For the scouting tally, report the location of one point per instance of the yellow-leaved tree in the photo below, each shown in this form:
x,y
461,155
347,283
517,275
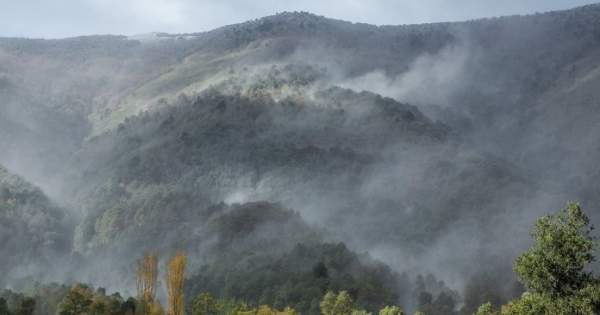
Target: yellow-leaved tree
x,y
147,275
175,278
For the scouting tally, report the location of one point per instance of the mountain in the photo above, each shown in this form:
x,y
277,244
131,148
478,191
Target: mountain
x,y
429,146
34,232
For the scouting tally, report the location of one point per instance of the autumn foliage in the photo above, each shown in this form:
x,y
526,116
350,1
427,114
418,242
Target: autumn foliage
x,y
175,279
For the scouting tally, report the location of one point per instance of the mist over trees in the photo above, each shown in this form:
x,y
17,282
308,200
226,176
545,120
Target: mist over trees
x,y
553,271
305,165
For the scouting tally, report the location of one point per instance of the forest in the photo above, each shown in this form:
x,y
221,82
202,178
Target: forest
x,y
302,165
554,273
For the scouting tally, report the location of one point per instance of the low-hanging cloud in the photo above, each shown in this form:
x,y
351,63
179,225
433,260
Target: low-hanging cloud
x,y
431,79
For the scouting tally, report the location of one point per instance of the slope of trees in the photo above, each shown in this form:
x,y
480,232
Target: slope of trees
x,y
33,229
300,277
555,272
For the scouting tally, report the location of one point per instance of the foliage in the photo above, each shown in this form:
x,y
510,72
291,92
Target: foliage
x,y
554,269
205,304
175,279
82,299
343,304
4,307
563,247
78,301
391,310
27,307
337,304
486,309
32,227
288,279
147,275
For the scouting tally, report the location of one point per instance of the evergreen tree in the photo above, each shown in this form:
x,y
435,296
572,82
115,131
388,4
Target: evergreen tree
x,y
4,307
27,307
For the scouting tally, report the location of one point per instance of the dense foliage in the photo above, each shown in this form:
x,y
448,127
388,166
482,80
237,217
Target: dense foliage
x,y
32,228
299,278
555,269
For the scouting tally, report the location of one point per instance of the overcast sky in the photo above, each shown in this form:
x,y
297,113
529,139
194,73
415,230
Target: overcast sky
x,y
65,18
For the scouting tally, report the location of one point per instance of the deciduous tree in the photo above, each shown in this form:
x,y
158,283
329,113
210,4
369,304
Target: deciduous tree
x,y
175,279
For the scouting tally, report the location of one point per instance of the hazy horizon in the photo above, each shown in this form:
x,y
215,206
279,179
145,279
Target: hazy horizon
x,y
68,18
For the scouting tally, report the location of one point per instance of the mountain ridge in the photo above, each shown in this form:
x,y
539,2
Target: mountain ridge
x,y
410,142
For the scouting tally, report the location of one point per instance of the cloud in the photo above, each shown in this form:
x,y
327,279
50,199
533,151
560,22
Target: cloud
x,y
64,18
431,79
161,12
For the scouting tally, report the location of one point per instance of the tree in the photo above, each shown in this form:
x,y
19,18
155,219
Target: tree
x,y
4,307
320,270
98,307
483,287
129,307
443,305
175,279
425,301
391,310
340,304
554,269
486,309
155,309
27,307
328,303
289,311
78,301
147,274
555,265
205,304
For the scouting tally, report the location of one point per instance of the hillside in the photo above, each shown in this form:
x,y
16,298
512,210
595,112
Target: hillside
x,y
429,147
34,232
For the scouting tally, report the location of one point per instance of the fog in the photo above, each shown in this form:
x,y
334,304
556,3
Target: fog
x,y
431,148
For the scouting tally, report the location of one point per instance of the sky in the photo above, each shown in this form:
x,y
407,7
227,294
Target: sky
x,y
67,18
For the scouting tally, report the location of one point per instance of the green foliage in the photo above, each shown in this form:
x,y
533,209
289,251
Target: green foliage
x,y
391,310
343,304
4,307
486,309
288,278
543,304
340,304
205,304
433,297
27,307
82,299
78,301
443,304
32,228
554,269
563,247
489,286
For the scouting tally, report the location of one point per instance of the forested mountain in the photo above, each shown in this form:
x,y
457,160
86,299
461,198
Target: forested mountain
x,y
34,233
281,147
